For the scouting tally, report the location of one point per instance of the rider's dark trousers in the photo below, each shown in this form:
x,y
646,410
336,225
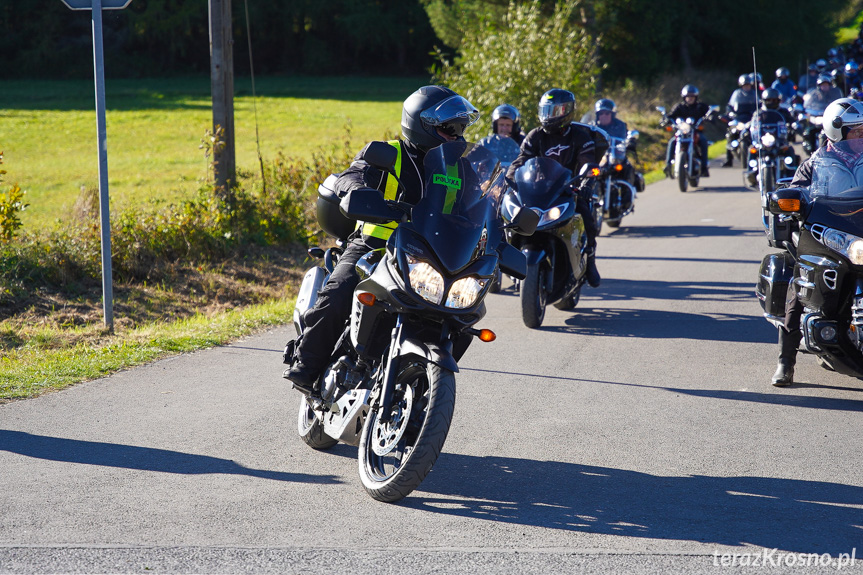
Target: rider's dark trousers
x,y
325,321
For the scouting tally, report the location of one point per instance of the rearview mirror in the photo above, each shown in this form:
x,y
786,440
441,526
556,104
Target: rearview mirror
x,y
380,155
524,222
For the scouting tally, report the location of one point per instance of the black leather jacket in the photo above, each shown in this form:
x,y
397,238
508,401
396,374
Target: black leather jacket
x,y
577,145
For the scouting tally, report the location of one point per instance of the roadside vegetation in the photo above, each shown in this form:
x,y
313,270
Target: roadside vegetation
x,y
196,265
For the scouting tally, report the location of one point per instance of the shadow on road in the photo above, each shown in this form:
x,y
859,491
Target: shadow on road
x,y
661,324
623,289
140,458
682,232
776,398
788,514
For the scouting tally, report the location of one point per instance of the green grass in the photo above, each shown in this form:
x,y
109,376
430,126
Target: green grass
x,y
155,127
38,368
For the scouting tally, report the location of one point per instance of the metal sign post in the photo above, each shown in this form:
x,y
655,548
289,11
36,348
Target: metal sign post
x,y
96,6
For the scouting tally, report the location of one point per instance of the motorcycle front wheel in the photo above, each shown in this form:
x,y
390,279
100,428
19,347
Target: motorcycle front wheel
x,y
682,168
395,457
533,296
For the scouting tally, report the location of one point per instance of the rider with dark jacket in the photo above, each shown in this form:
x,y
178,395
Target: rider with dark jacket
x,y
843,120
430,116
689,107
572,145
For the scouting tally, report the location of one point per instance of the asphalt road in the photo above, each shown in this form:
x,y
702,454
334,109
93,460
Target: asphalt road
x,y
636,434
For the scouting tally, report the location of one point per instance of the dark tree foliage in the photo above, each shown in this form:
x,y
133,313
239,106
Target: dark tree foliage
x,y
158,37
643,38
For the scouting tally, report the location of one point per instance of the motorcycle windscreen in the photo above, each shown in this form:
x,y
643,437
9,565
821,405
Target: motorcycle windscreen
x,y
505,149
458,211
837,171
539,181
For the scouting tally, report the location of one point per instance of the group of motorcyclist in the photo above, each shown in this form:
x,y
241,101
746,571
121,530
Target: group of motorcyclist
x,y
434,114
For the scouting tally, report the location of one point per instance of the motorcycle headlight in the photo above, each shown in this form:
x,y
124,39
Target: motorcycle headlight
x,y
817,120
425,280
551,215
768,140
465,292
848,245
684,127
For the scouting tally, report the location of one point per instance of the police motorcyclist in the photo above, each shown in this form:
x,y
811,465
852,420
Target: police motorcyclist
x,y
572,145
506,134
689,107
741,105
843,121
784,85
430,116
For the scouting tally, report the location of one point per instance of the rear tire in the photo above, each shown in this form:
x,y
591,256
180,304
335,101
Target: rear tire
x,y
533,296
417,432
310,428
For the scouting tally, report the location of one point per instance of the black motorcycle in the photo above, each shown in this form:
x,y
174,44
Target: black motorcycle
x,y
808,125
769,159
555,252
821,231
390,384
615,190
737,123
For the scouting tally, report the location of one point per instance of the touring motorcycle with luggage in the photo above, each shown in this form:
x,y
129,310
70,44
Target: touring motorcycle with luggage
x,y
821,233
556,251
389,387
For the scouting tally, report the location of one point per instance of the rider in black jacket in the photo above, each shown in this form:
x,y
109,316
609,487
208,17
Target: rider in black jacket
x,y
690,107
430,116
572,145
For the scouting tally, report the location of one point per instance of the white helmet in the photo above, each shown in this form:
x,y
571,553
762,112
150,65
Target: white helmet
x,y
840,117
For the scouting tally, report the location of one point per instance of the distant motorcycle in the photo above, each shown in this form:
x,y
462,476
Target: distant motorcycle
x,y
769,157
555,252
685,163
808,125
618,194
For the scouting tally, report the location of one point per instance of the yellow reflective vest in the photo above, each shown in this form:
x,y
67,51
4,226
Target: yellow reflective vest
x,y
384,231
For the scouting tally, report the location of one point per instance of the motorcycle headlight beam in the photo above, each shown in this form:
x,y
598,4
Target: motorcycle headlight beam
x,y
768,140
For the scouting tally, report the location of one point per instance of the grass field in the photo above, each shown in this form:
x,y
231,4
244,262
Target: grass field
x,y
155,127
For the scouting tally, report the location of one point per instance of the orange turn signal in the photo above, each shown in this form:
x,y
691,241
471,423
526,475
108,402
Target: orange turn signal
x,y
367,298
789,205
594,172
487,335
753,150
618,167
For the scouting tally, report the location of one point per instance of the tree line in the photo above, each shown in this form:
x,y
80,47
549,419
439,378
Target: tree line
x,y
636,39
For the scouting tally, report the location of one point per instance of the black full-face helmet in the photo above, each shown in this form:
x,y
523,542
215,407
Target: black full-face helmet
x,y
508,112
556,109
770,98
433,108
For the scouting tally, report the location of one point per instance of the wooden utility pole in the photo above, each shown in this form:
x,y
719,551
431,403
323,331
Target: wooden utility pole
x,y
222,86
